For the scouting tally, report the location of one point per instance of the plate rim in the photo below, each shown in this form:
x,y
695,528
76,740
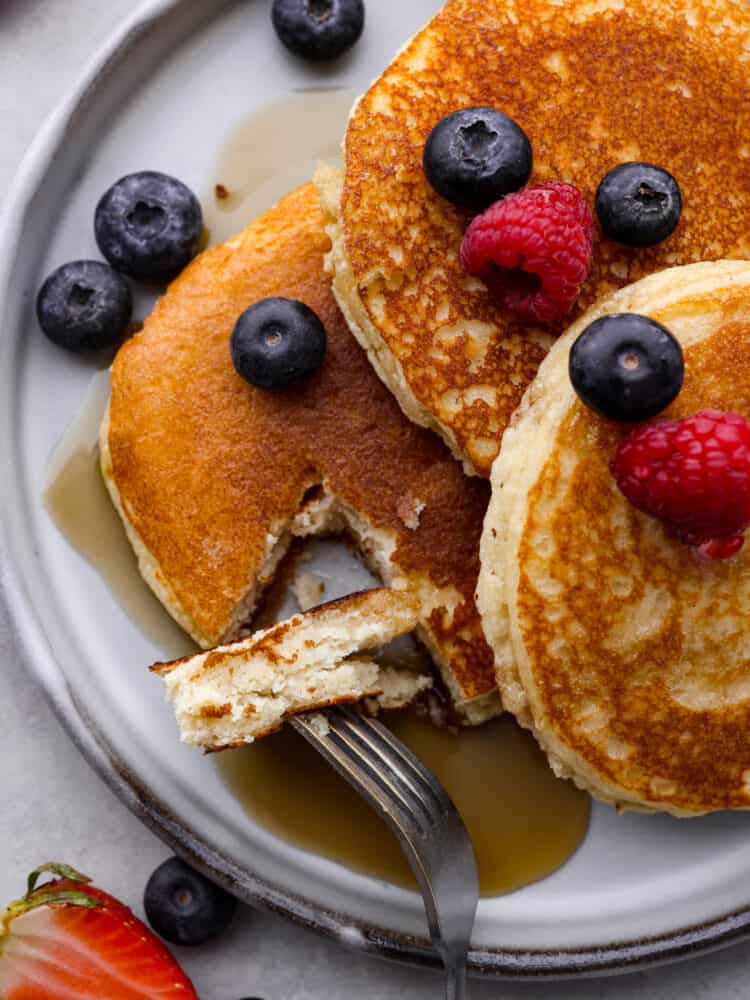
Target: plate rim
x,y
251,887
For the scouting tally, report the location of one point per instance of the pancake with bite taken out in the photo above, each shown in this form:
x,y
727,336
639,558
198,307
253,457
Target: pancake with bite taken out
x,y
213,477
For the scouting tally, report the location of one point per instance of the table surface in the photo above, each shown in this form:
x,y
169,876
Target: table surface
x,y
55,807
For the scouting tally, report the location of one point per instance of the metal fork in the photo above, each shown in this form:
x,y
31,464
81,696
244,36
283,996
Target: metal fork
x,y
417,808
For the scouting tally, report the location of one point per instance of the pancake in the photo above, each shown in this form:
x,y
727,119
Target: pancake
x,y
213,477
241,692
627,655
593,83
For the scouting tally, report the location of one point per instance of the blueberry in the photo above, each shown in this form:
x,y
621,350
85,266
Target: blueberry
x,y
318,29
626,367
476,156
84,306
638,204
184,907
277,342
148,225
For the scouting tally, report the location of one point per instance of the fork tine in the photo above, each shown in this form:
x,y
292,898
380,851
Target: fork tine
x,y
380,782
386,744
382,740
357,757
360,730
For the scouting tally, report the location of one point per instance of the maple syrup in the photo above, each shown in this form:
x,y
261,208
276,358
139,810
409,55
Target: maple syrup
x,y
272,152
77,500
523,821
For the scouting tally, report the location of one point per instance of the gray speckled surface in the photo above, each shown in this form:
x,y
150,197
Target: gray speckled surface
x,y
55,807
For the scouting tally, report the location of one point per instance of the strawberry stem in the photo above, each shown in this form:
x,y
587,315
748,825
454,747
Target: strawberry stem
x,y
55,868
48,895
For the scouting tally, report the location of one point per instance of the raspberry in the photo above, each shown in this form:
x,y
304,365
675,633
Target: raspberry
x,y
533,249
693,474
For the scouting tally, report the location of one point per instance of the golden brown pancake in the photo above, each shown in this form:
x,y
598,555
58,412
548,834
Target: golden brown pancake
x,y
213,477
594,83
627,655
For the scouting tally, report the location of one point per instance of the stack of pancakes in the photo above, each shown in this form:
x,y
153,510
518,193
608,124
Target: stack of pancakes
x,y
628,659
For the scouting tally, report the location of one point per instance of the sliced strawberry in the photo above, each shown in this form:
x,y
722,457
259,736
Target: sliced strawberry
x,y
70,941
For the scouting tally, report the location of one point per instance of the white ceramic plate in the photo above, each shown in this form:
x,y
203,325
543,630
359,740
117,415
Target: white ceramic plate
x,y
164,95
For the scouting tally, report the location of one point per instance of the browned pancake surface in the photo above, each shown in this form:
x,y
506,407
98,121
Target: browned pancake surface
x,y
662,658
207,466
593,84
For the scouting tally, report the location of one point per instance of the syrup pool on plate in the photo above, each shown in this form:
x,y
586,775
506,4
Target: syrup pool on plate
x,y
272,152
524,822
78,502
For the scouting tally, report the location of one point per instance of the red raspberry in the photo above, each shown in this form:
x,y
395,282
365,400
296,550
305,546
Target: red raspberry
x,y
693,474
533,249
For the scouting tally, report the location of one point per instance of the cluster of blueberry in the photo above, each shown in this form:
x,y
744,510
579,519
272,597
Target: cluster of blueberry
x,y
626,367
476,156
148,226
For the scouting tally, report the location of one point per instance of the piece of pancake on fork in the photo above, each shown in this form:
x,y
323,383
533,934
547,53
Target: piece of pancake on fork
x,y
246,690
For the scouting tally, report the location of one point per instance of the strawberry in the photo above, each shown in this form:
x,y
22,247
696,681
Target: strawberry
x,y
66,940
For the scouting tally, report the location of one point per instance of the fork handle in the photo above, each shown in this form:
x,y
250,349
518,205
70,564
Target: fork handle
x,y
368,783
455,979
